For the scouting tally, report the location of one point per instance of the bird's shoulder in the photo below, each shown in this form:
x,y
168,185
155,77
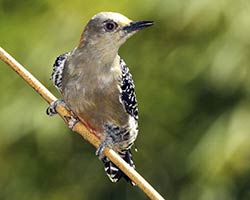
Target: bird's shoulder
x,y
128,96
57,72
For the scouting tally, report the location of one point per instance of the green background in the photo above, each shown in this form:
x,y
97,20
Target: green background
x,y
192,76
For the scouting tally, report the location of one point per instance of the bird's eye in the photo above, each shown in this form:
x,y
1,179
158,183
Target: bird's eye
x,y
110,26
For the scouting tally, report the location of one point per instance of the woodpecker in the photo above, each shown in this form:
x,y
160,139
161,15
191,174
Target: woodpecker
x,y
95,83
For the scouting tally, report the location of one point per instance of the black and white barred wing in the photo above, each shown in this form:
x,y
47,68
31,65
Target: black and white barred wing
x,y
113,172
57,72
128,99
128,96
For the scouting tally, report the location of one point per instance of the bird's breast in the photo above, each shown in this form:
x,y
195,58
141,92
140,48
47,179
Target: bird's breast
x,y
95,98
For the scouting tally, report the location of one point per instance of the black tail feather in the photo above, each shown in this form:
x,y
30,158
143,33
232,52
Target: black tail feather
x,y
113,172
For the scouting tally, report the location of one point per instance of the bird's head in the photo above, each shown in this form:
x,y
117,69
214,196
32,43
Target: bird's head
x,y
110,30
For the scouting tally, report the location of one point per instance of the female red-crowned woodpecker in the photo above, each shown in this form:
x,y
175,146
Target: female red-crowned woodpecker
x,y
97,86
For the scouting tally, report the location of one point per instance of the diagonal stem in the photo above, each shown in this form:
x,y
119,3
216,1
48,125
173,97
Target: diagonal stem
x,y
79,127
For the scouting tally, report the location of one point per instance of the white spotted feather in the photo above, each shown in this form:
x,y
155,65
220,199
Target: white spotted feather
x,y
57,72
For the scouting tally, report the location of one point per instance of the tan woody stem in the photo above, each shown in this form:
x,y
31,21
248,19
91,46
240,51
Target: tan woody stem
x,y
79,127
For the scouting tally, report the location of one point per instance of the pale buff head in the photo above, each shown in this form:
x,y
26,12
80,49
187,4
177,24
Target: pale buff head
x,y
110,30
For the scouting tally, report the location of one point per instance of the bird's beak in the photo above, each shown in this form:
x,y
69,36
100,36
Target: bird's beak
x,y
137,25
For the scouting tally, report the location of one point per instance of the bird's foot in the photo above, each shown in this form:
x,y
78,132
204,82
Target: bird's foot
x,y
51,110
114,135
71,121
108,142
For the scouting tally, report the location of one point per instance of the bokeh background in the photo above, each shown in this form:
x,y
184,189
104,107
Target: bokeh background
x,y
192,76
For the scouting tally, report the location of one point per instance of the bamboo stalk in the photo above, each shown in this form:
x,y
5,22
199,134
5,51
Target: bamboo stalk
x,y
79,127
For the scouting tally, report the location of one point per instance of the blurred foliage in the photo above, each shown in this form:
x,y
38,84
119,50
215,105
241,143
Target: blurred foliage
x,y
192,75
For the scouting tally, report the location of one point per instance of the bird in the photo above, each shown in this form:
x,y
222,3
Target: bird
x,y
97,86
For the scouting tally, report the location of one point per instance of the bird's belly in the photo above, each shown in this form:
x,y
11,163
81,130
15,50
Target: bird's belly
x,y
96,105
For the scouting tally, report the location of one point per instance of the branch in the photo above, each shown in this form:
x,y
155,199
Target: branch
x,y
79,127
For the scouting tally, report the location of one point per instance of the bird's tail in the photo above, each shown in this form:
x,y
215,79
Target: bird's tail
x,y
113,172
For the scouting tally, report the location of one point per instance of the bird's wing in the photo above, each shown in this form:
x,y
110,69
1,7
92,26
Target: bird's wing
x,y
128,96
57,72
113,172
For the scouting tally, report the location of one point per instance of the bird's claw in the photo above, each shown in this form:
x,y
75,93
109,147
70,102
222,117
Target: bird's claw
x,y
108,142
71,121
51,110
